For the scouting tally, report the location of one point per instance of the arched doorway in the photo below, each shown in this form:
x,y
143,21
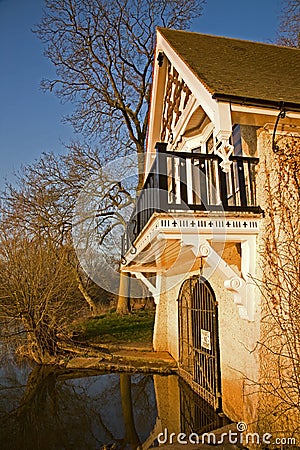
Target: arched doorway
x,y
199,356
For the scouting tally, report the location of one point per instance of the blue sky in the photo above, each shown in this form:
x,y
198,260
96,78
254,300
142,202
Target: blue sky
x,y
31,121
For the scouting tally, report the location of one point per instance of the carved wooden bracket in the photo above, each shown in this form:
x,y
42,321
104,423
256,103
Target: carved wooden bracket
x,y
241,288
176,98
154,289
225,151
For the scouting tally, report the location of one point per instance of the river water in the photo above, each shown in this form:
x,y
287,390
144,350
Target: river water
x,y
42,408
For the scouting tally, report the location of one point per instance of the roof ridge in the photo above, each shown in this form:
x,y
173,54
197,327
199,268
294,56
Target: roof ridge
x,y
226,37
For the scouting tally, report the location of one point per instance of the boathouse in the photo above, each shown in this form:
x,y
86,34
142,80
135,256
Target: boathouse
x,y
217,107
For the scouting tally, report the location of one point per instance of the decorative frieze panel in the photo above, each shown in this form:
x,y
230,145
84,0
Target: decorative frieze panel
x,y
180,224
176,98
203,224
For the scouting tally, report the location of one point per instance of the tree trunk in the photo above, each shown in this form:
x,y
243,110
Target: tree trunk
x,y
85,294
42,337
123,306
131,436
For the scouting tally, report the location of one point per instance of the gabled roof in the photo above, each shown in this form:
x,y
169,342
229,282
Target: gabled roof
x,y
240,71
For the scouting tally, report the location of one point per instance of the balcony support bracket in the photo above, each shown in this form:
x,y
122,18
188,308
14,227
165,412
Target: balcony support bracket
x,y
242,287
154,289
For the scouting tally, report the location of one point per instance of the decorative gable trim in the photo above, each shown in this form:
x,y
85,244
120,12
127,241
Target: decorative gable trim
x,y
174,83
194,84
176,99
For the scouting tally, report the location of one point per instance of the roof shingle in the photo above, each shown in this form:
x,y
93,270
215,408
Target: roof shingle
x,y
236,68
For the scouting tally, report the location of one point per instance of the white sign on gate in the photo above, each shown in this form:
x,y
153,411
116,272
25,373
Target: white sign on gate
x,y
205,339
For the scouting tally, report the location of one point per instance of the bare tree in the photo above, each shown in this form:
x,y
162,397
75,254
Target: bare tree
x,y
103,53
289,29
40,204
37,293
43,198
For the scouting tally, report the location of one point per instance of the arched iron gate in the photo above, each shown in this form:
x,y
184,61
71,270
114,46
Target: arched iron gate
x,y
199,359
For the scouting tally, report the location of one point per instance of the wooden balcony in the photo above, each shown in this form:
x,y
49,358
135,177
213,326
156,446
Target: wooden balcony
x,y
180,182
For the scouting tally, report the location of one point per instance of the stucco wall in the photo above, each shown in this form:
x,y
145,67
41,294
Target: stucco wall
x,y
276,412
239,361
166,321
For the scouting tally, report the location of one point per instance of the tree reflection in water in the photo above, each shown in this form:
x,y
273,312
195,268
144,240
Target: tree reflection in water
x,y
49,408
57,409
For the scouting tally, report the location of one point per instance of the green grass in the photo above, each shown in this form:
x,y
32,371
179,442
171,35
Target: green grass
x,y
112,328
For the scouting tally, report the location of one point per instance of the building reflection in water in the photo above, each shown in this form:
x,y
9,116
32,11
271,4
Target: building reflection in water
x,y
55,410
181,410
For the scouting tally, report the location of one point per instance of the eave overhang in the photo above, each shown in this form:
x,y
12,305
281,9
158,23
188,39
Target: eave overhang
x,y
162,241
246,101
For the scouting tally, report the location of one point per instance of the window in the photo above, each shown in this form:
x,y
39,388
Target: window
x,y
237,140
210,144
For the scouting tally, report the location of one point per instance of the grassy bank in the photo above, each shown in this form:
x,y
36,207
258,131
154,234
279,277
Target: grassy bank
x,y
112,328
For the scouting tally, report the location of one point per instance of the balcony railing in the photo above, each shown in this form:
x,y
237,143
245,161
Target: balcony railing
x,y
192,181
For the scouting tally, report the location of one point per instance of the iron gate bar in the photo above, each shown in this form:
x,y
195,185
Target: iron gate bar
x,y
199,362
196,415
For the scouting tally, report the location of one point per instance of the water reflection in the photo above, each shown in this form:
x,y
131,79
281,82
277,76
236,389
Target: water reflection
x,y
48,408
181,410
